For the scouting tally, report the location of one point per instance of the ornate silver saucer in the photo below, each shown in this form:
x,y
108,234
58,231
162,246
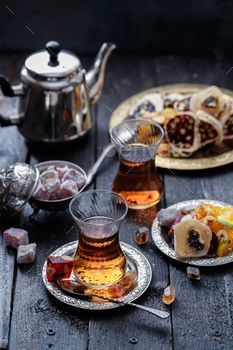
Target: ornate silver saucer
x,y
136,258
159,237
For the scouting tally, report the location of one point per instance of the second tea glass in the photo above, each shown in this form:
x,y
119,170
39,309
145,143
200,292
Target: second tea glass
x,y
137,180
99,260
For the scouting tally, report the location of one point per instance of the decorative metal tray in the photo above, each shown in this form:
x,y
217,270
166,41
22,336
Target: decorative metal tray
x,y
144,275
213,157
159,237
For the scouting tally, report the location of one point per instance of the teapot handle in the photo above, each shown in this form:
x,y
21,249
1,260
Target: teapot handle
x,y
9,91
6,87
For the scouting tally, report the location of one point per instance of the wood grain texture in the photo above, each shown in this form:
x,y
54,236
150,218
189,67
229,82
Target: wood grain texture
x,y
201,313
12,149
39,321
116,329
201,317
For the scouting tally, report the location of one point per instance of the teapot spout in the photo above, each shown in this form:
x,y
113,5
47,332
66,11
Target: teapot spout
x,y
95,76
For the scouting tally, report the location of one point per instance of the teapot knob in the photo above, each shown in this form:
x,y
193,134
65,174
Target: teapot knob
x,y
53,48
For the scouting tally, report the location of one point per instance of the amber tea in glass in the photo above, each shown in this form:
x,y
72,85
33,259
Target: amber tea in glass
x,y
99,260
137,180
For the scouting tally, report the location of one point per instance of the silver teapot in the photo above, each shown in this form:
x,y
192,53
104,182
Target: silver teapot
x,y
55,94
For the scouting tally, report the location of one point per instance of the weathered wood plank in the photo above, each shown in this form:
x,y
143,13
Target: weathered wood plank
x,y
12,149
115,329
200,315
39,321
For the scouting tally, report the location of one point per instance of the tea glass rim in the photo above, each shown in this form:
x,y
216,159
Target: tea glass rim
x,y
137,120
103,191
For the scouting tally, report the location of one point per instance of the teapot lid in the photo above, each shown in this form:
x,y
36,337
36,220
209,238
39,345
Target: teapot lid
x,y
17,184
52,63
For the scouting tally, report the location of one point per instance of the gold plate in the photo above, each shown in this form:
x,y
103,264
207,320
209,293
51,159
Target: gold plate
x,y
199,160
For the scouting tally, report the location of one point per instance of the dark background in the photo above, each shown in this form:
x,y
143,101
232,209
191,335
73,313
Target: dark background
x,y
164,26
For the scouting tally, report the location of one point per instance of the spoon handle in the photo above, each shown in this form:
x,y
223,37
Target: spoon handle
x,y
159,313
95,167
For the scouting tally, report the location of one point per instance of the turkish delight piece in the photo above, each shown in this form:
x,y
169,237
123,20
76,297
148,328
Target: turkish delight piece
x,y
58,267
75,176
166,217
181,132
26,253
226,120
62,170
116,291
67,189
14,237
171,99
41,192
149,104
71,285
191,239
128,280
51,167
209,128
209,100
123,286
50,180
183,105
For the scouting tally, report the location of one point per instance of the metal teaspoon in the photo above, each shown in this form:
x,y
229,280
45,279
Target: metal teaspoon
x,y
159,313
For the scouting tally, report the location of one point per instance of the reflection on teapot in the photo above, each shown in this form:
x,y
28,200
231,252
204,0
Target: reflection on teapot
x,y
55,94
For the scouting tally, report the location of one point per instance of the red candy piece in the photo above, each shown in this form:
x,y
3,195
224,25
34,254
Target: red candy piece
x,y
58,267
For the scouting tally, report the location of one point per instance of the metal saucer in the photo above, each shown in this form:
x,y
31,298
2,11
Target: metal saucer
x,y
159,237
136,258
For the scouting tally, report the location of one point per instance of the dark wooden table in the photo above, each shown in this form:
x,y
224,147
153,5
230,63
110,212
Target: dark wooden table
x,y
202,315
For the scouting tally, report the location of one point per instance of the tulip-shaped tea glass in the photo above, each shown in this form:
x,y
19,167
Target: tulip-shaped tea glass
x,y
137,180
99,260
